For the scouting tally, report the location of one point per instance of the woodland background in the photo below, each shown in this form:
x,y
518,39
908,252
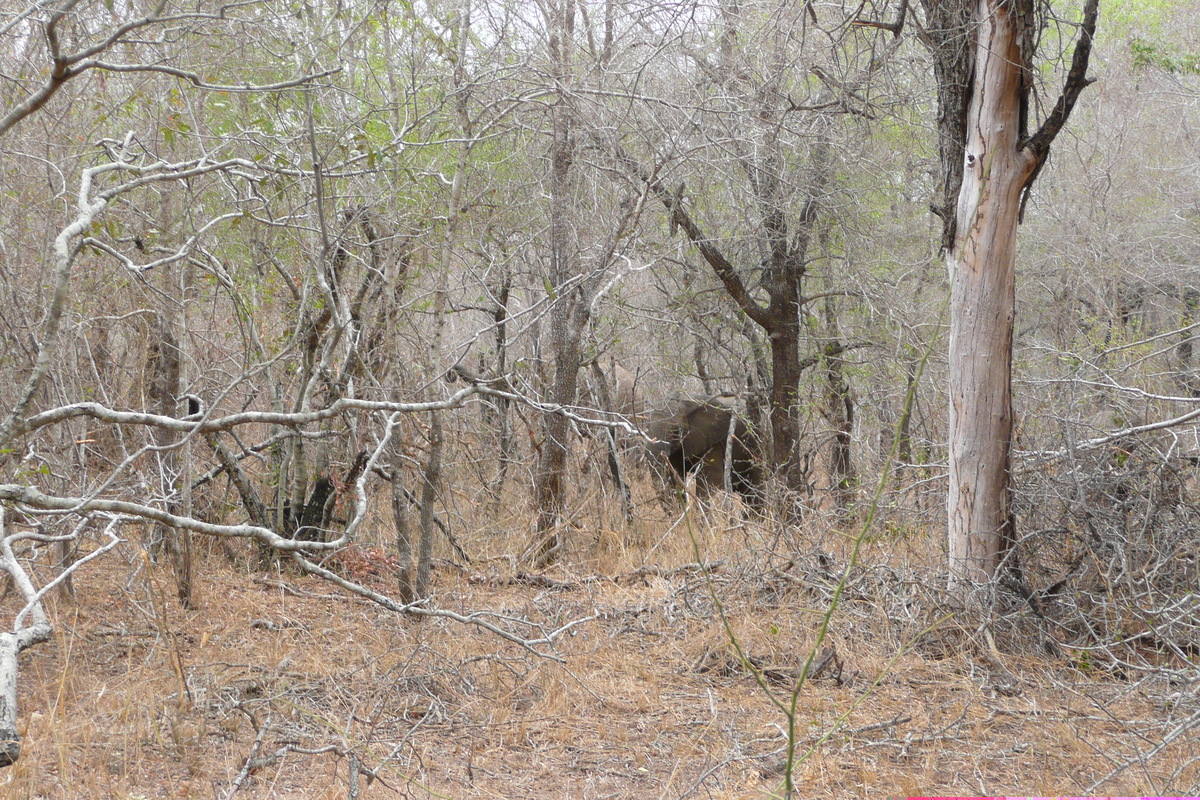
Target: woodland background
x,y
296,298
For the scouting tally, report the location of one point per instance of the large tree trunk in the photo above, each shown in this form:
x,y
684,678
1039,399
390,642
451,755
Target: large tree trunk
x,y
999,164
982,262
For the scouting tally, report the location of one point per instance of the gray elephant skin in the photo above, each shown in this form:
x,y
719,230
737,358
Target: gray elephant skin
x,y
690,436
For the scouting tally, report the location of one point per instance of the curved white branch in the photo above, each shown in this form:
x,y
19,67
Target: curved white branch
x,y
194,79
35,499
35,601
287,419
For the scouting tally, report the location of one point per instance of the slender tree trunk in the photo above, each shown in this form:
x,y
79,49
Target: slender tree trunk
x,y
502,411
904,453
433,467
611,445
565,329
1185,370
785,389
706,380
166,381
551,485
182,549
840,409
406,578
429,489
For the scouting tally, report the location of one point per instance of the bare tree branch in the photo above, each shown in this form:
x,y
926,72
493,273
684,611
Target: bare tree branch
x,y
64,67
195,80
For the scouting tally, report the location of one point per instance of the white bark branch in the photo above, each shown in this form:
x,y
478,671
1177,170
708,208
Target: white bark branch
x,y
11,644
34,603
33,499
194,79
297,419
66,247
293,419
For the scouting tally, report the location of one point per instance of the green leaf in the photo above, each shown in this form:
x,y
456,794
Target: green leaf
x,y
1148,55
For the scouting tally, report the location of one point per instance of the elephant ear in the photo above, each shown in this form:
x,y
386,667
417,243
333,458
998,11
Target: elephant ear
x,y
666,427
670,425
706,427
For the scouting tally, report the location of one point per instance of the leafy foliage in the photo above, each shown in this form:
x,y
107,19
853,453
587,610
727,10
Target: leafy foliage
x,y
1149,55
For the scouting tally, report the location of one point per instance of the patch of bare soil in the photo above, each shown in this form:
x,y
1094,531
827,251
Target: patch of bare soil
x,y
283,686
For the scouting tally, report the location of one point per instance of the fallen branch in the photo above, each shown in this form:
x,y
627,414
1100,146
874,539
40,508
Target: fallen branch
x,y
641,573
251,759
418,608
11,644
34,500
524,579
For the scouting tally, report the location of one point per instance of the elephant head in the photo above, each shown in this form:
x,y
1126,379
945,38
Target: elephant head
x,y
690,436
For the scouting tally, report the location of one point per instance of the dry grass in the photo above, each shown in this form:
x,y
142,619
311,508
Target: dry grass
x,y
138,698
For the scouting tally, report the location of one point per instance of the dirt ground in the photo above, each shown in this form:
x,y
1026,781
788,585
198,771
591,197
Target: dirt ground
x,y
672,681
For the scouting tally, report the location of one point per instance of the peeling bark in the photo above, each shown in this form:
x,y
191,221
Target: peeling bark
x,y
1000,163
982,261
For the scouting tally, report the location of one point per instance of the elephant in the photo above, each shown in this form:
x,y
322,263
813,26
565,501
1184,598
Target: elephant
x,y
690,436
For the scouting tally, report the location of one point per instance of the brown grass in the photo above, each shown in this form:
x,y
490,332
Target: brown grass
x,y
138,698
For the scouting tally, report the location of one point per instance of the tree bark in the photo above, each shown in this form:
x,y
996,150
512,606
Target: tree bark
x,y
433,467
11,644
839,401
551,486
39,630
982,263
503,415
429,490
565,332
950,36
999,165
163,392
405,579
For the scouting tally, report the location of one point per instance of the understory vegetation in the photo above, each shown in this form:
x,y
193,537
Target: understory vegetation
x,y
552,399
